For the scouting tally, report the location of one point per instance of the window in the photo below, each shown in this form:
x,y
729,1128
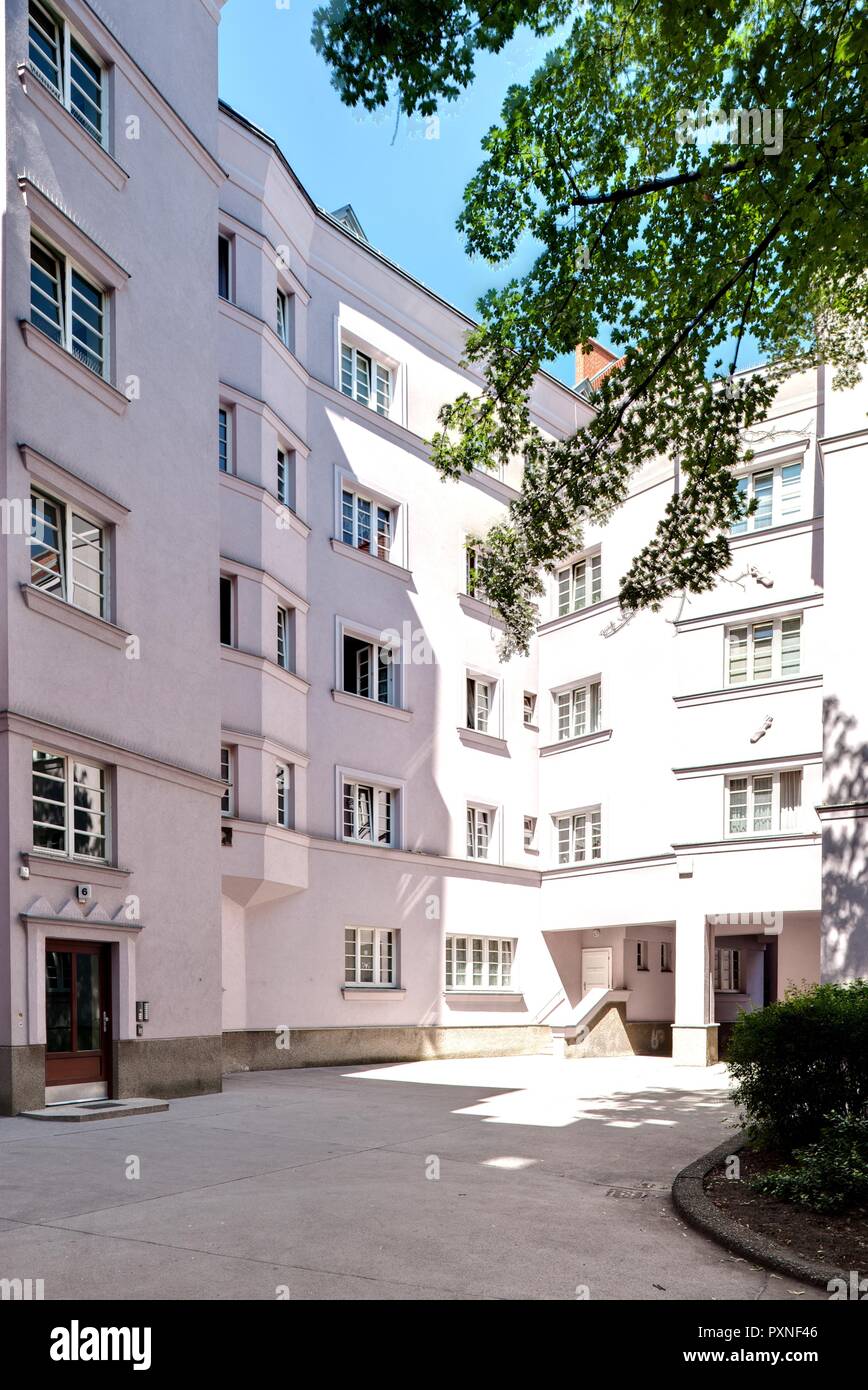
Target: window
x,y
530,832
479,962
369,670
763,803
67,307
366,524
369,813
764,651
641,955
284,639
579,711
224,267
69,806
227,801
286,478
366,380
472,586
479,702
528,711
579,837
727,970
479,827
579,585
283,798
67,554
284,318
777,493
224,440
61,63
370,956
227,607
666,957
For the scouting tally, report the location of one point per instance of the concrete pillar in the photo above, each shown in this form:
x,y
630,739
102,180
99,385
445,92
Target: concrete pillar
x,y
694,1034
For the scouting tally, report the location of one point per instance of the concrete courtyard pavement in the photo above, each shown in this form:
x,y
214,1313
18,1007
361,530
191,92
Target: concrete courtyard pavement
x,y
553,1175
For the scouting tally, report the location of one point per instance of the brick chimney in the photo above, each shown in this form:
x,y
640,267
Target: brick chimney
x,y
594,362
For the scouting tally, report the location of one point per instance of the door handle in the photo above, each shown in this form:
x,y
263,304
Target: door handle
x,y
105,1021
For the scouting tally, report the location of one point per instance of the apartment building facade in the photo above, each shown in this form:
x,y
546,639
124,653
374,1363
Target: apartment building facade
x,y
271,798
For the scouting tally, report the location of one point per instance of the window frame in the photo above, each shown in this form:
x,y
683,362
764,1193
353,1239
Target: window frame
x,y
473,825
779,512
665,957
284,330
352,783
67,267
376,645
69,512
284,637
377,506
528,707
593,820
505,959
283,792
734,972
641,957
225,415
228,240
227,585
70,761
529,828
592,704
591,561
68,37
285,465
228,778
777,811
381,936
376,364
481,703
776,650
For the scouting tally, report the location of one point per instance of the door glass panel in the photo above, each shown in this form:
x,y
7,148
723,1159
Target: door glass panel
x,y
87,1002
58,1001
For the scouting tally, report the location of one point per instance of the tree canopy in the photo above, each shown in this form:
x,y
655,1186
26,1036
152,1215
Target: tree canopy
x,y
686,232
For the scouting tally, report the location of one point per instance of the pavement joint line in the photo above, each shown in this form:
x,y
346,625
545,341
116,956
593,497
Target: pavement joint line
x,y
257,1260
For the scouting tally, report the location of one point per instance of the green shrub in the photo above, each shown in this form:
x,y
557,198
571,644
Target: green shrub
x,y
828,1175
800,1062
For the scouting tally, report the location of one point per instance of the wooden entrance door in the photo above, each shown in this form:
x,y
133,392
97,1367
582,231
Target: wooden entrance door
x,y
77,1015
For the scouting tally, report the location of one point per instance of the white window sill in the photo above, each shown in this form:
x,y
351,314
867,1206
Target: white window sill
x,y
477,608
490,743
345,697
372,992
76,371
365,557
56,112
585,741
468,992
45,864
63,612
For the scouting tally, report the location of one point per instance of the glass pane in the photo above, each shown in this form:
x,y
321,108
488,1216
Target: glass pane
x,y
44,48
762,803
87,1013
349,954
46,545
346,369
762,651
762,491
791,491
347,514
58,1001
46,299
791,641
738,656
477,961
87,566
85,91
738,806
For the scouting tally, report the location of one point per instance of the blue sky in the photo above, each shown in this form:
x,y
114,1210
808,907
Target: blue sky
x,y
406,188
